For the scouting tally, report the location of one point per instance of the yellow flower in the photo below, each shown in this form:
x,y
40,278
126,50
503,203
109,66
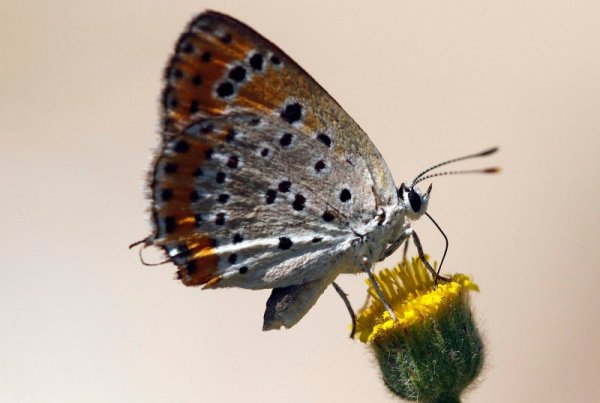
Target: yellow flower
x,y
433,351
412,295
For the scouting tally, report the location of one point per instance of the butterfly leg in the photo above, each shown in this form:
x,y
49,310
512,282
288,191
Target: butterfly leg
x,y
419,247
395,245
404,254
367,268
344,297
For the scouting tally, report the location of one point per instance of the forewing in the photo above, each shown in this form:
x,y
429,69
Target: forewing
x,y
221,65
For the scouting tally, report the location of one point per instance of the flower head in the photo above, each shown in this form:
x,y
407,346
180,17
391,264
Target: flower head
x,y
433,351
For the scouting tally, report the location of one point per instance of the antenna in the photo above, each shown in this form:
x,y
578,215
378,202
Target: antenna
x,y
484,153
491,170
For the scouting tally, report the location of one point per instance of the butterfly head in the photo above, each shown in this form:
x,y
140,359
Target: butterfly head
x,y
413,200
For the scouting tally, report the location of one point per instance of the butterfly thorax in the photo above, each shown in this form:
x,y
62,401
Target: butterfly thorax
x,y
373,238
380,236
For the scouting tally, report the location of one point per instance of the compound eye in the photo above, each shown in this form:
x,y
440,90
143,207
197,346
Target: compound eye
x,y
415,201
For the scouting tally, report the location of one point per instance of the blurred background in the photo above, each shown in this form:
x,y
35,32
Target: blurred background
x,y
81,320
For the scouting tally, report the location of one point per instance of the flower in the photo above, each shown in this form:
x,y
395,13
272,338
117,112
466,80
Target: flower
x,y
433,351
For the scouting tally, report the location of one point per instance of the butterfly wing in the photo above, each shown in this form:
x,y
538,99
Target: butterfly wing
x,y
245,200
261,177
221,65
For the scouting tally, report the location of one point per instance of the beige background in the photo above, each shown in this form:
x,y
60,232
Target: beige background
x,y
81,320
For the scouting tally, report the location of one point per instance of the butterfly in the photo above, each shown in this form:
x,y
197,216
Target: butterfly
x,y
262,180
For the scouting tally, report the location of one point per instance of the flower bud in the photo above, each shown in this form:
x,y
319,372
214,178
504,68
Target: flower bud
x,y
433,352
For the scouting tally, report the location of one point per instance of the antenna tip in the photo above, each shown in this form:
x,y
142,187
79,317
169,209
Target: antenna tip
x,y
492,170
488,152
